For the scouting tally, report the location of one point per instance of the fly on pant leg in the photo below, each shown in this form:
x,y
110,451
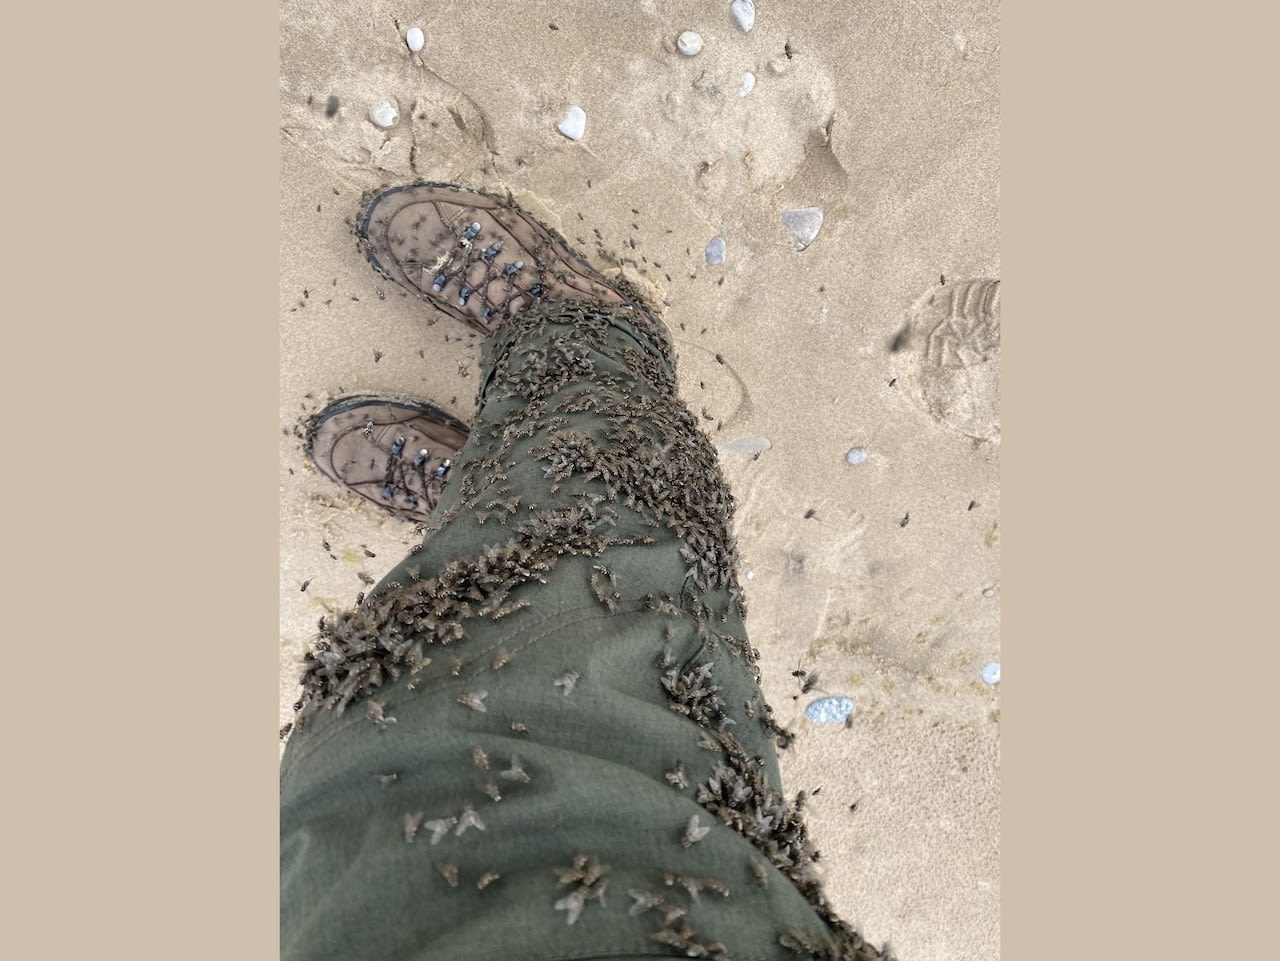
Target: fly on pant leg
x,y
542,736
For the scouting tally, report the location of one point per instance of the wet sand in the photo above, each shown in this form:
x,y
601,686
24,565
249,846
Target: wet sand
x,y
886,118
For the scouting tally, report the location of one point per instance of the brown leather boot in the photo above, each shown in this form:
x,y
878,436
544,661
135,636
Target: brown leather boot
x,y
393,451
473,255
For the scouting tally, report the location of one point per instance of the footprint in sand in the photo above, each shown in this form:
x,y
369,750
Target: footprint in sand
x,y
954,364
809,573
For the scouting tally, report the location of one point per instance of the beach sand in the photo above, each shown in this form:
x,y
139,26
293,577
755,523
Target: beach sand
x,y
882,334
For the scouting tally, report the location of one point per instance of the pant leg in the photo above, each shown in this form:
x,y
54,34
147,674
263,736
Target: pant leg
x,y
541,737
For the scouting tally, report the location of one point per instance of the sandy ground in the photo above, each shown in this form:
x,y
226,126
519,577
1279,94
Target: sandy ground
x,y
886,117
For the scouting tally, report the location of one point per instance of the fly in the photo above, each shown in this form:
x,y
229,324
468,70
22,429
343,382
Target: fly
x,y
439,828
490,787
516,772
567,681
474,700
469,819
411,824
693,832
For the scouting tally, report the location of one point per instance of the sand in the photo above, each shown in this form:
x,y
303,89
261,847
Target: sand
x,y
886,117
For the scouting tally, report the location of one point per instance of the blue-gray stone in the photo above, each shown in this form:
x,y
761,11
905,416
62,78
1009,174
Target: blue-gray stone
x,y
856,455
803,223
829,710
715,250
991,673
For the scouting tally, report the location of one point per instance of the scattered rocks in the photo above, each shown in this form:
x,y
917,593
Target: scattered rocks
x,y
385,115
744,14
689,43
415,39
856,455
803,223
715,250
991,673
574,124
829,710
748,84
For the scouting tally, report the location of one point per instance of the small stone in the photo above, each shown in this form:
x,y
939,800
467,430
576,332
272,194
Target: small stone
x,y
689,43
829,710
748,83
991,673
715,250
751,575
988,592
744,14
803,223
574,124
415,39
856,455
744,445
386,114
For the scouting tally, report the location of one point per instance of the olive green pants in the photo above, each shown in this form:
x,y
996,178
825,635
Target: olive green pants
x,y
542,737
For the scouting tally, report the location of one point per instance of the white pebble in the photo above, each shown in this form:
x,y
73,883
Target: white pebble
x,y
991,673
748,83
751,575
385,114
856,455
574,124
715,250
744,14
689,43
804,224
415,39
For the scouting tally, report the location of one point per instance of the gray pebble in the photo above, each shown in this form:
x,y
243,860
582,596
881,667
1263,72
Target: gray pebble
x,y
689,43
829,710
991,673
744,14
744,445
803,223
856,455
715,250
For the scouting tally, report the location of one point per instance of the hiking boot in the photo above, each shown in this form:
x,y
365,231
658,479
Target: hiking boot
x,y
395,452
473,255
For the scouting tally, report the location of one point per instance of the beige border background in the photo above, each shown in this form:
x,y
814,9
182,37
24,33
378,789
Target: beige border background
x,y
1136,717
